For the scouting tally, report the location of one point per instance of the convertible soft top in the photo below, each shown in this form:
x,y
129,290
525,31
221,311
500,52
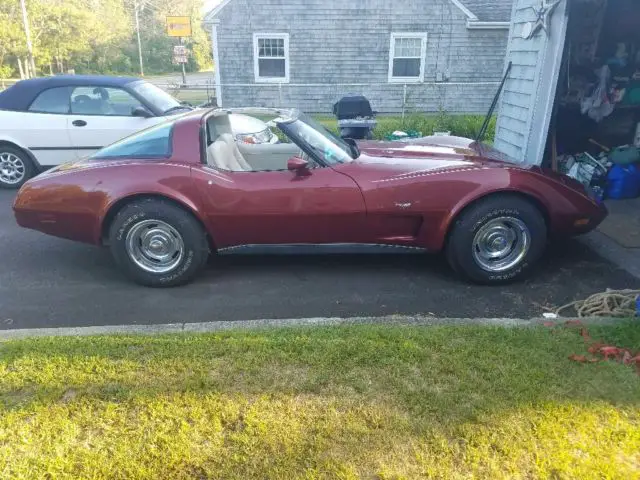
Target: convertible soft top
x,y
18,97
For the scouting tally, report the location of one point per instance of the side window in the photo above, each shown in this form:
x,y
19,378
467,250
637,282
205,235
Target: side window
x,y
53,100
271,57
154,142
102,101
407,57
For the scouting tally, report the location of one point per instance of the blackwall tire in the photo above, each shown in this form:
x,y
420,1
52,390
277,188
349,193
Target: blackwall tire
x,y
497,240
158,244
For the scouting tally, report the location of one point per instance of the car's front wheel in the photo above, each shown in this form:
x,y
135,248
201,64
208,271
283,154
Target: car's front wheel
x,y
497,240
158,244
15,167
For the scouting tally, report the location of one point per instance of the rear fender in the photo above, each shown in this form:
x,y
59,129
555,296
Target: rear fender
x,y
114,205
163,180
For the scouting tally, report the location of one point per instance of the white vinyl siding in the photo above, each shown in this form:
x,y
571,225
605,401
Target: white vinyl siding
x,y
527,99
407,55
271,57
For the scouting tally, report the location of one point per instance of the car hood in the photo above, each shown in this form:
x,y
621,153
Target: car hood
x,y
445,147
430,153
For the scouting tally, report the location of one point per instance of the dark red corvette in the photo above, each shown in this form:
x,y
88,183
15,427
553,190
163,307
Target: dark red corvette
x,y
165,198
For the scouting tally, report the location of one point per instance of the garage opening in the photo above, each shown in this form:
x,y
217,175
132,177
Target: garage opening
x,y
595,128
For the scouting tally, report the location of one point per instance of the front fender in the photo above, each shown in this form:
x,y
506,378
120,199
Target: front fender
x,y
470,189
11,140
560,204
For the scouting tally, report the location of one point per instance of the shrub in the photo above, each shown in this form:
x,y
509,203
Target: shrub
x,y
467,126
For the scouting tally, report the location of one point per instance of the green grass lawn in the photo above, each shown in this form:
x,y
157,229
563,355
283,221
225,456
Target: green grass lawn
x,y
369,402
194,97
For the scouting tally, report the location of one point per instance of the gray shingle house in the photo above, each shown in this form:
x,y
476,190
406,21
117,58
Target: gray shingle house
x,y
421,55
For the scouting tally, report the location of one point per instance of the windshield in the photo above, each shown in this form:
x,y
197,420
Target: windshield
x,y
155,96
318,139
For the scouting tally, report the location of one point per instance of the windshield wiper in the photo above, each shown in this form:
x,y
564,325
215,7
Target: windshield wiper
x,y
177,107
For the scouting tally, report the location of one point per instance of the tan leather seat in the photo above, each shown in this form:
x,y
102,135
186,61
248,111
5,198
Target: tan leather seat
x,y
225,155
269,157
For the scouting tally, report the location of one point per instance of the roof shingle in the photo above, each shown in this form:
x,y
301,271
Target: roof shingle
x,y
490,10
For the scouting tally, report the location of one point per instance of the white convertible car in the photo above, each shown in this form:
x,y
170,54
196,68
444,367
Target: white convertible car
x,y
48,121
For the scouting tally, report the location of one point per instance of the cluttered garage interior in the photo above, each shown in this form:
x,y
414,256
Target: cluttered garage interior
x,y
594,132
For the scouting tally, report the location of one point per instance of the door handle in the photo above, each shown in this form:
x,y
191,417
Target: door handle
x,y
79,123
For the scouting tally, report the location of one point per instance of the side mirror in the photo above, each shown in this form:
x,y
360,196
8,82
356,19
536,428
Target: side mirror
x,y
141,112
351,142
298,165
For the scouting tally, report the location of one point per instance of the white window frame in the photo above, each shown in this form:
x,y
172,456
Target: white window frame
x,y
256,50
423,55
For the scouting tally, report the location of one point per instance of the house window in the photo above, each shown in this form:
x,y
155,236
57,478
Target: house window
x,y
407,57
271,57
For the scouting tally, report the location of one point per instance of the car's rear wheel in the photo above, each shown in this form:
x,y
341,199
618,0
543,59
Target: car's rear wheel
x,y
497,240
15,167
158,244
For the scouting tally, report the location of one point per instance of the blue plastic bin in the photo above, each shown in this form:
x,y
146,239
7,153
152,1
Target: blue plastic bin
x,y
623,181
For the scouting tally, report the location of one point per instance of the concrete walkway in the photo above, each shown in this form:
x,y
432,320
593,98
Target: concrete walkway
x,y
618,238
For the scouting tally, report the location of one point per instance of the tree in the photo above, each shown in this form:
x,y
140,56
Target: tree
x,y
12,40
97,36
159,46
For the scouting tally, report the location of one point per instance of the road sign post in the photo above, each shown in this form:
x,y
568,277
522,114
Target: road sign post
x,y
180,56
180,26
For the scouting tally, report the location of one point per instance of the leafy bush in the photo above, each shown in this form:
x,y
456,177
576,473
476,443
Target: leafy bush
x,y
467,126
459,125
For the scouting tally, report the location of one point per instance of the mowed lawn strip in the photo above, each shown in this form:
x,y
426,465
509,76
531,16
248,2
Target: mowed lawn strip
x,y
341,402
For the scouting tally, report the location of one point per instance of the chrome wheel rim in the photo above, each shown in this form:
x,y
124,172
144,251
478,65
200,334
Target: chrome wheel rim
x,y
501,244
155,246
12,168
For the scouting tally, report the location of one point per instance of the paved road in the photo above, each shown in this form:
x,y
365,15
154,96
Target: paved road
x,y
47,282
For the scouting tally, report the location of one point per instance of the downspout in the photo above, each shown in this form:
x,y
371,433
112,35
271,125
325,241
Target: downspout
x,y
216,60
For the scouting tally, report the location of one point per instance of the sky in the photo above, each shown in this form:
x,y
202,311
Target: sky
x,y
209,5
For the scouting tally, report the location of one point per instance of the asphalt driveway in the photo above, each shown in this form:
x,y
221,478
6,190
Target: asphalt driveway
x,y
47,282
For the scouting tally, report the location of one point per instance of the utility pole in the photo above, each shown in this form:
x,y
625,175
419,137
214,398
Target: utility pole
x,y
138,34
184,72
27,33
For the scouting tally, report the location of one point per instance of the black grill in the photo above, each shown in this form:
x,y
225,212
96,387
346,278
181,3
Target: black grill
x,y
355,117
352,106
